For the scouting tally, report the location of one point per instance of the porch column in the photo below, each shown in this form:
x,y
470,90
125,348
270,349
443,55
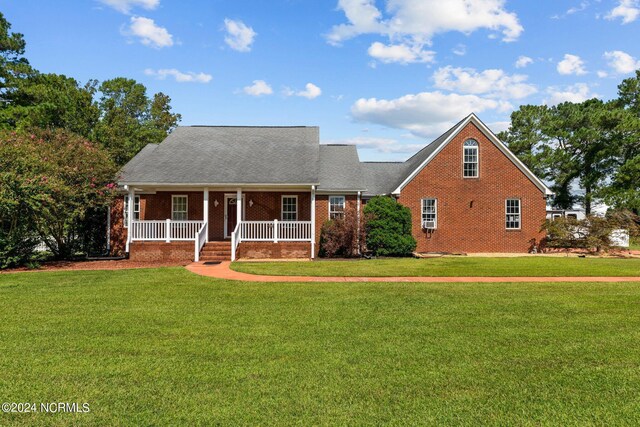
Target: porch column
x,y
205,211
313,221
358,226
132,199
238,206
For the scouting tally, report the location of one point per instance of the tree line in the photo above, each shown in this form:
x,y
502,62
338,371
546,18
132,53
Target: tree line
x,y
61,145
588,151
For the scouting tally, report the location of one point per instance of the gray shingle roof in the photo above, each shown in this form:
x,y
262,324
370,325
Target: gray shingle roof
x,y
340,168
382,177
229,155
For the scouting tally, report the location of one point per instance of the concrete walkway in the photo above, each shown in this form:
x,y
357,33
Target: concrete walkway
x,y
222,271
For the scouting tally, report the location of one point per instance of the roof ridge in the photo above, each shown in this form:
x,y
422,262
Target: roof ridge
x,y
248,126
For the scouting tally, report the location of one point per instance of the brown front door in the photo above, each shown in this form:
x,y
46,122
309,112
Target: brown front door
x,y
232,215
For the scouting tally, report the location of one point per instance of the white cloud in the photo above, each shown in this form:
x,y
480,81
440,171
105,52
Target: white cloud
x,y
420,20
578,92
125,6
149,33
258,88
400,53
627,10
381,145
426,114
621,62
573,10
602,74
460,50
311,91
179,76
523,61
493,83
239,36
571,64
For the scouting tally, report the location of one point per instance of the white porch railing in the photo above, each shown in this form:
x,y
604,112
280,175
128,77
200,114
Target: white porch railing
x,y
166,230
201,239
270,231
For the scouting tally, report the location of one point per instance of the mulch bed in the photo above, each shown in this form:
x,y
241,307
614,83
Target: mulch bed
x,y
95,265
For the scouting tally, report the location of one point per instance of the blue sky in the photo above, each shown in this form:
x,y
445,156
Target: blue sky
x,y
386,75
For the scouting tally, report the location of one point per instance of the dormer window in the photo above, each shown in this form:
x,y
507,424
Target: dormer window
x,y
470,159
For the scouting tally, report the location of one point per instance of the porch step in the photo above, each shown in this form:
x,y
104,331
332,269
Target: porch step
x,y
216,251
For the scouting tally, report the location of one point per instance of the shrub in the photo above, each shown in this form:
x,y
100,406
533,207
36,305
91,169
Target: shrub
x,y
593,233
388,227
343,237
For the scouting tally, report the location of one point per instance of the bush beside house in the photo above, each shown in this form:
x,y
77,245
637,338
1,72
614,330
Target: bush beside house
x,y
388,227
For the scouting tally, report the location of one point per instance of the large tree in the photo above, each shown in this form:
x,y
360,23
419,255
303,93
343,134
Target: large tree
x,y
572,145
50,181
130,119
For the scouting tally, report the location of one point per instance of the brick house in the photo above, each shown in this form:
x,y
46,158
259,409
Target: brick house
x,y
215,193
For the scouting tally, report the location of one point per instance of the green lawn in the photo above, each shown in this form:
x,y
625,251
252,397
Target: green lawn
x,y
165,347
450,266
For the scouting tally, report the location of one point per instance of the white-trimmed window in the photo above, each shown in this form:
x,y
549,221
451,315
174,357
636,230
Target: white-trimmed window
x,y
470,161
136,210
289,208
336,207
513,214
430,213
179,207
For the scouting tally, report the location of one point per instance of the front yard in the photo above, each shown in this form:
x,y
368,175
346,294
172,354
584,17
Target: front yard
x,y
166,347
450,266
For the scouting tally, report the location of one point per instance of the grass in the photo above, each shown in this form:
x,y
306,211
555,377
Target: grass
x,y
450,266
634,245
165,347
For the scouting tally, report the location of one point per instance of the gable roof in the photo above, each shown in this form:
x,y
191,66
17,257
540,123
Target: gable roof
x,y
339,168
382,177
421,159
208,155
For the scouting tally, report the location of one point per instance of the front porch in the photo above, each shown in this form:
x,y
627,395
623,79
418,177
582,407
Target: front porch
x,y
255,223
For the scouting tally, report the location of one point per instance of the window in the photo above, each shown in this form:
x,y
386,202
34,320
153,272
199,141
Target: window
x,y
179,208
430,213
572,216
336,207
513,214
470,163
289,208
136,210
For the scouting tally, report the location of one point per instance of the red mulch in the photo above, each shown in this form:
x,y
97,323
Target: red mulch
x,y
95,265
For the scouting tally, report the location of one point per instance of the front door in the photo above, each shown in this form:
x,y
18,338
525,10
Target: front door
x,y
232,215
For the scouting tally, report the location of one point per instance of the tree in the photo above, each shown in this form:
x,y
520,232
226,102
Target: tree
x,y
50,101
571,144
388,227
52,179
130,120
13,65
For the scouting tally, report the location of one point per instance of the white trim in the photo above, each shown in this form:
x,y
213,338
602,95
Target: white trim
x,y
244,185
293,196
227,233
124,210
313,221
173,197
506,213
329,204
494,139
422,213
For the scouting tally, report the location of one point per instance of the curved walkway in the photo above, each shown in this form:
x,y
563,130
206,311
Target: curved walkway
x,y
222,271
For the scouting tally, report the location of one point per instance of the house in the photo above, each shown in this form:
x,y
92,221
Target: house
x,y
216,193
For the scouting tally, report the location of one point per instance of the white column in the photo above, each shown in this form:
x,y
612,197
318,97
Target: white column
x,y
205,212
313,221
358,219
130,219
238,206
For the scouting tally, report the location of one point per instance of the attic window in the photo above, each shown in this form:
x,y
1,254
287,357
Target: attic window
x,y
470,159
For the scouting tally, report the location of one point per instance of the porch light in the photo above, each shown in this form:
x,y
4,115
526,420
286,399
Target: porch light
x,y
250,202
215,203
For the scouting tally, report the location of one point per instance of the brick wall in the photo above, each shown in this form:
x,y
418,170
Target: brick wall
x,y
270,250
118,238
162,251
471,211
